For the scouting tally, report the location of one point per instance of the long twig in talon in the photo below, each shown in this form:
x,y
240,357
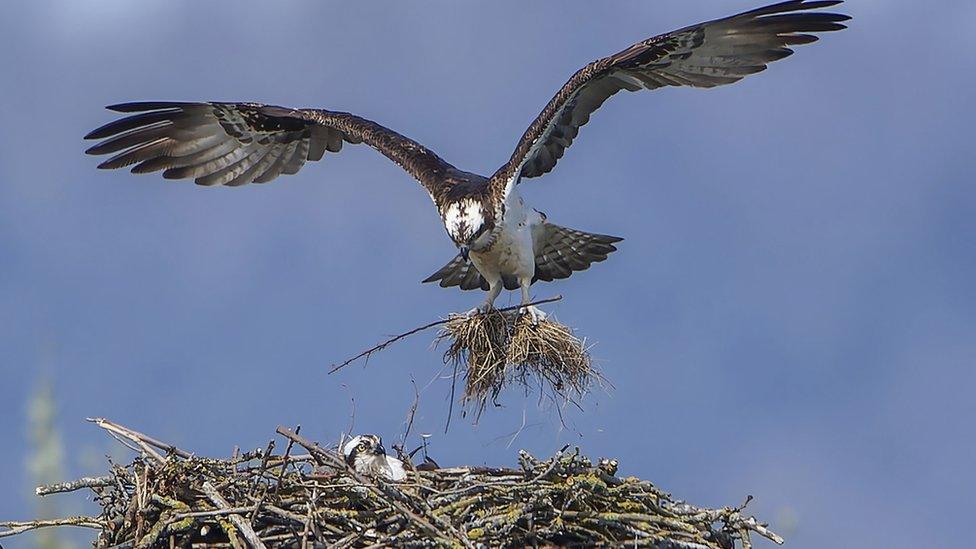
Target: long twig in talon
x,y
379,347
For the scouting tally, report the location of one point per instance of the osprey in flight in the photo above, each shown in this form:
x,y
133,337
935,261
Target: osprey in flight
x,y
503,243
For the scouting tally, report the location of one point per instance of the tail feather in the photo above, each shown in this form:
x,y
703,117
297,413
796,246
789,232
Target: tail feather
x,y
564,251
459,272
560,253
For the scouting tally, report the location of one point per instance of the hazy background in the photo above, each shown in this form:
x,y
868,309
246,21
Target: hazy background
x,y
791,316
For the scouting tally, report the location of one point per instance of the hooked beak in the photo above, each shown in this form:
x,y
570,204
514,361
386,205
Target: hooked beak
x,y
464,253
379,450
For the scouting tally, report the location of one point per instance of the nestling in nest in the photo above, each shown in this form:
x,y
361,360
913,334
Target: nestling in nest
x,y
313,498
500,348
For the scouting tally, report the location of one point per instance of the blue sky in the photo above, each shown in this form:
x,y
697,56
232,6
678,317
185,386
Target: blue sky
x,y
792,314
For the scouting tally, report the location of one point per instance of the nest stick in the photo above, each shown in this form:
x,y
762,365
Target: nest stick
x,y
379,347
14,528
144,441
243,526
84,482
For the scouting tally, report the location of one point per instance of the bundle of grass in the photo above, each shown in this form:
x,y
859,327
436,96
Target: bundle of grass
x,y
168,498
500,348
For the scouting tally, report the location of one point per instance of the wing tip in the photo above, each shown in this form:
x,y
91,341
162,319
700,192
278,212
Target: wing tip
x,y
791,6
814,4
100,132
607,239
144,106
111,164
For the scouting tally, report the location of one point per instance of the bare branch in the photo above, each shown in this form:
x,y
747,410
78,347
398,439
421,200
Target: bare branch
x,y
84,482
142,440
14,527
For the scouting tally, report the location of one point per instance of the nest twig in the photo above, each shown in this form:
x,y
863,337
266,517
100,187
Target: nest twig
x,y
501,348
262,499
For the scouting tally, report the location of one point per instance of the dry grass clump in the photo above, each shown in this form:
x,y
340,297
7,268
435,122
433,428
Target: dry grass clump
x,y
306,496
499,348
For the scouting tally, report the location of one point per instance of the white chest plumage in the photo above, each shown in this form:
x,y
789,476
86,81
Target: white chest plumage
x,y
513,252
382,465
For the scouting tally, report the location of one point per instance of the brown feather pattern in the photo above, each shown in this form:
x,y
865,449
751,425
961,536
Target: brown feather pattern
x,y
709,54
233,144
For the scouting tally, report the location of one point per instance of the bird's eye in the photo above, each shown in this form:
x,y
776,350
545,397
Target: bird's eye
x,y
363,445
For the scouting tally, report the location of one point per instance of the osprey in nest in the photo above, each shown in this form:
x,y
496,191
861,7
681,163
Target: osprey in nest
x,y
366,454
502,242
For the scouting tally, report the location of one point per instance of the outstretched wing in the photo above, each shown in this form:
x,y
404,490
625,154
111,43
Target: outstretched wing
x,y
704,55
234,144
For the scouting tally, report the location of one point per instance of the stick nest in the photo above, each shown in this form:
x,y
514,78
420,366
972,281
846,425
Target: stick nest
x,y
500,348
291,499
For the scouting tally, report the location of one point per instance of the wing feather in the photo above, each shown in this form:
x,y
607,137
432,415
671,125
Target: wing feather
x,y
234,144
144,151
232,170
276,168
706,55
260,161
297,158
192,165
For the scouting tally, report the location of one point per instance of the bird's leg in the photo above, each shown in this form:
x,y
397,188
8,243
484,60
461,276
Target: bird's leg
x,y
534,312
494,288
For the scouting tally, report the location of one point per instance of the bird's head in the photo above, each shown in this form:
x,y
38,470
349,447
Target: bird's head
x,y
470,225
362,447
